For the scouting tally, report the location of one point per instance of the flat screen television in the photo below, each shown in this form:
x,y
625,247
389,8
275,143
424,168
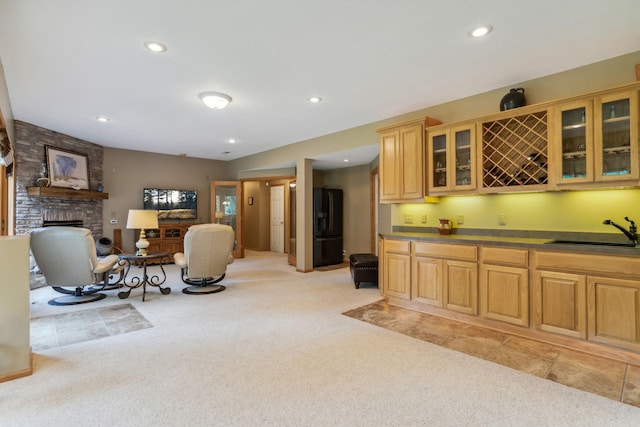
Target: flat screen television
x,y
171,204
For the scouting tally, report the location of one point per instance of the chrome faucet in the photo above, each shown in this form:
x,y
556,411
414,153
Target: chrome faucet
x,y
631,233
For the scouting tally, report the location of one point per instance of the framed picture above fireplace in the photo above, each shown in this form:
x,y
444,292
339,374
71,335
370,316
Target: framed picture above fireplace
x,y
67,169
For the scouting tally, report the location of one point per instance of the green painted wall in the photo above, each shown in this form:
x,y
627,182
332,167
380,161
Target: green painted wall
x,y
574,211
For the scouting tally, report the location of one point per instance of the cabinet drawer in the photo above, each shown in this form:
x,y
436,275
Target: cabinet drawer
x,y
398,246
505,256
443,250
588,264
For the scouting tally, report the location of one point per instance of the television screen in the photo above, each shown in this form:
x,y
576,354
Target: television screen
x,y
171,204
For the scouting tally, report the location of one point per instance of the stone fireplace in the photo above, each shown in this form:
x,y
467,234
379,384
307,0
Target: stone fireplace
x,y
37,211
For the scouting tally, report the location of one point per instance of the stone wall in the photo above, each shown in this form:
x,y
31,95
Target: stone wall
x,y
29,145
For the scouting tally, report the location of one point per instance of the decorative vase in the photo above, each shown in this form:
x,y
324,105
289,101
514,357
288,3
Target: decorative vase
x,y
445,226
514,99
43,182
104,246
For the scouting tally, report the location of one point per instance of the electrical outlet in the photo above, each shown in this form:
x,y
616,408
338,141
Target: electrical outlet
x,y
408,219
460,219
113,221
423,219
502,219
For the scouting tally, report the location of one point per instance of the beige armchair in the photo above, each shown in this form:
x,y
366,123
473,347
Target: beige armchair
x,y
207,252
67,257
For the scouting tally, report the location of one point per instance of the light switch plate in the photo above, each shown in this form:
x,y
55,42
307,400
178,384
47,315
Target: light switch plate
x,y
460,219
502,219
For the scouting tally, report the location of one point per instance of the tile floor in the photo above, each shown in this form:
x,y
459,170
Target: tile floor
x,y
609,378
70,328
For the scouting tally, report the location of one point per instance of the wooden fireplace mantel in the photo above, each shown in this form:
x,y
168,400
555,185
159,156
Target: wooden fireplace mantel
x,y
68,193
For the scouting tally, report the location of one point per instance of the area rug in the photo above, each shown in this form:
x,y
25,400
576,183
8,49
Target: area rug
x,y
69,328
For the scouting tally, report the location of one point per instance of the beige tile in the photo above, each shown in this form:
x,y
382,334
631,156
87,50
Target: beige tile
x,y
43,333
529,356
631,391
475,341
589,373
79,326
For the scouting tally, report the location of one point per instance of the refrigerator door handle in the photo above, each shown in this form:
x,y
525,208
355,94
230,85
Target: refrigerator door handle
x,y
331,211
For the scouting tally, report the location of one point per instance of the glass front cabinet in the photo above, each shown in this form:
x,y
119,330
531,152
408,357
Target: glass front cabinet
x,y
450,159
597,139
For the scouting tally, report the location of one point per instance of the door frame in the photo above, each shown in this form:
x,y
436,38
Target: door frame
x,y
239,250
374,180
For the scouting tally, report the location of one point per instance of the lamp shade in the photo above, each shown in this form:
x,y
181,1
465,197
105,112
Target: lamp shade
x,y
142,218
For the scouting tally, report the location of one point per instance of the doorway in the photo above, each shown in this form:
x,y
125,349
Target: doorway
x,y
225,209
277,218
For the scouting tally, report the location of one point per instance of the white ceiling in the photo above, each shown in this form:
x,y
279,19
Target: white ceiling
x,y
68,61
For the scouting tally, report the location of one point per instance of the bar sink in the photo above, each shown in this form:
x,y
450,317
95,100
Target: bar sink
x,y
585,242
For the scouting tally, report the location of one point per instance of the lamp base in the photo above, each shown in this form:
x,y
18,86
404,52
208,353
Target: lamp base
x,y
142,244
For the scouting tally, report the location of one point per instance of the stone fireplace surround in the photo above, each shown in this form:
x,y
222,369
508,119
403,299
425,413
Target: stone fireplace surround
x,y
32,211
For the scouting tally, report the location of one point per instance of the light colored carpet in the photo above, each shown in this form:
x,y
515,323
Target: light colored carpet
x,y
273,349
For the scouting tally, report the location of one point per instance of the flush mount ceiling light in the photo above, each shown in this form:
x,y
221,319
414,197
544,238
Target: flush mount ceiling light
x,y
481,31
102,119
232,140
315,99
215,100
155,46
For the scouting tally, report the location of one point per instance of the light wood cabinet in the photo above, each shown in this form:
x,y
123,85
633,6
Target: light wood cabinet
x,y
427,280
504,285
586,301
461,286
614,312
590,296
446,275
167,237
574,151
581,142
514,151
616,136
597,140
402,161
396,269
451,159
560,302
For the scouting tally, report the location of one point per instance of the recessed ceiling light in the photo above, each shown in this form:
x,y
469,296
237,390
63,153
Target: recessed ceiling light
x,y
155,47
232,140
102,119
481,31
315,99
215,100
346,160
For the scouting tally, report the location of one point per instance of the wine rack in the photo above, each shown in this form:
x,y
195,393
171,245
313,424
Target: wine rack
x,y
514,151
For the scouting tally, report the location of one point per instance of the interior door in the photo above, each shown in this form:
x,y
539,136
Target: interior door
x,y
226,208
277,218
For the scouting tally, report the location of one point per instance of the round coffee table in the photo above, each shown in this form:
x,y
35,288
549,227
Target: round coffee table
x,y
135,281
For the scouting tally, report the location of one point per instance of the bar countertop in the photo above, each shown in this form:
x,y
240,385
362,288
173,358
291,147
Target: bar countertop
x,y
575,245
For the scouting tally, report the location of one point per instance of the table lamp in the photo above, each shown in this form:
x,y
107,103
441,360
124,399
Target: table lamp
x,y
219,217
140,218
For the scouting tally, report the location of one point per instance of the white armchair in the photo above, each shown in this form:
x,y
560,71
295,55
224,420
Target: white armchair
x,y
207,252
67,257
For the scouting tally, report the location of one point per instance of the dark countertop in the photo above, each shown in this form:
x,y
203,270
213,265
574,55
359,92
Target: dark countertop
x,y
516,242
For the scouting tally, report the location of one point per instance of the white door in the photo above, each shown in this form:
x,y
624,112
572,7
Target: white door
x,y
277,218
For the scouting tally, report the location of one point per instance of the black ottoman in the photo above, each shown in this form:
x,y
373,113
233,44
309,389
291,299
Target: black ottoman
x,y
364,268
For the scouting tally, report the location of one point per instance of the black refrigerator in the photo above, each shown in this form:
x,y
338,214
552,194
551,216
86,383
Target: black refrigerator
x,y
327,226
